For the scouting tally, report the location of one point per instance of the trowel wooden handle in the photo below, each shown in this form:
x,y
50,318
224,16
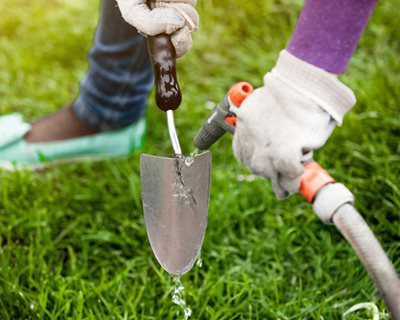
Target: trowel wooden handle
x,y
163,59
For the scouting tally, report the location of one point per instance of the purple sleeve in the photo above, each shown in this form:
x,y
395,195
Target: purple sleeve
x,y
328,31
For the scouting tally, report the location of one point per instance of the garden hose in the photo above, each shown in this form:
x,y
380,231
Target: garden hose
x,y
333,203
354,228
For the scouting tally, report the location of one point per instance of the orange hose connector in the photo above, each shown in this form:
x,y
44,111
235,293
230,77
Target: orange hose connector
x,y
314,178
239,92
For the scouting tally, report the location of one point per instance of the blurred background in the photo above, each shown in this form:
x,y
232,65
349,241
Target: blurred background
x,y
73,242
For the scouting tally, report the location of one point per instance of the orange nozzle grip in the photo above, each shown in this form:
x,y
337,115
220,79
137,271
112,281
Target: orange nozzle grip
x,y
231,121
239,92
314,178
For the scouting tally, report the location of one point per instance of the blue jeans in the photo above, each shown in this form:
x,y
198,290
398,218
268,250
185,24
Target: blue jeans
x,y
114,92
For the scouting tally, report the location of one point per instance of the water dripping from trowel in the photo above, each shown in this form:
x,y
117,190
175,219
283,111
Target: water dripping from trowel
x,y
189,160
177,298
178,289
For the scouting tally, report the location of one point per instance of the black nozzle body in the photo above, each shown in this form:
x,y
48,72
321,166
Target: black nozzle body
x,y
214,127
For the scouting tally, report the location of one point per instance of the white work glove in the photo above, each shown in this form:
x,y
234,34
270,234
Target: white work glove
x,y
280,124
176,17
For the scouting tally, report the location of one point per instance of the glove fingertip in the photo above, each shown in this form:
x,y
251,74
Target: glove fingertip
x,y
182,41
280,193
291,185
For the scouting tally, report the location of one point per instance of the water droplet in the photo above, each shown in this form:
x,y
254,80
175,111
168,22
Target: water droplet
x,y
32,306
247,178
189,160
188,313
199,262
210,105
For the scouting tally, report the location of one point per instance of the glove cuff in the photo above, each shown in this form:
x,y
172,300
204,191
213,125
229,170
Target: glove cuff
x,y
320,86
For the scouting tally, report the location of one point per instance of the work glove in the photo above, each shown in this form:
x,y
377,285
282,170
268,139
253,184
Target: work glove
x,y
280,124
176,17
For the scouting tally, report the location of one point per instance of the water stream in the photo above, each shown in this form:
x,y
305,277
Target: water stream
x,y
178,299
178,288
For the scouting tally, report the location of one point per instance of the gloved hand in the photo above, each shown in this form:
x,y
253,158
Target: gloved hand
x,y
175,17
280,124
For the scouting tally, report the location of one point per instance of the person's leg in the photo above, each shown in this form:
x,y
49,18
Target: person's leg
x,y
114,92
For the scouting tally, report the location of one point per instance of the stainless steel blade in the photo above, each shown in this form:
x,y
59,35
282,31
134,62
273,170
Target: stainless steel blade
x,y
175,202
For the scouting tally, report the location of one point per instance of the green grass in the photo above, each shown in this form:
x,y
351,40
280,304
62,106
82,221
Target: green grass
x,y
73,242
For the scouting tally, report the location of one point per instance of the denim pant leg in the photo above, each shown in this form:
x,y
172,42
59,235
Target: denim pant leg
x,y
115,89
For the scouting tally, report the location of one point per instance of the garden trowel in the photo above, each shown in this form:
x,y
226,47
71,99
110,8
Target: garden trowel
x,y
176,190
175,199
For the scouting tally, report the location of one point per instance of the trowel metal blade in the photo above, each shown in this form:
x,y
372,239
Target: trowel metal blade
x,y
175,202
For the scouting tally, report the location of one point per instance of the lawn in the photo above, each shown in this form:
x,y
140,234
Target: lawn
x,y
73,241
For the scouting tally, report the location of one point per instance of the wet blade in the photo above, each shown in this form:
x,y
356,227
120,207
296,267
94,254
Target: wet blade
x,y
175,201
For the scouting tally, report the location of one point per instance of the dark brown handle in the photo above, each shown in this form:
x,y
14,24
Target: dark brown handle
x,y
163,59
